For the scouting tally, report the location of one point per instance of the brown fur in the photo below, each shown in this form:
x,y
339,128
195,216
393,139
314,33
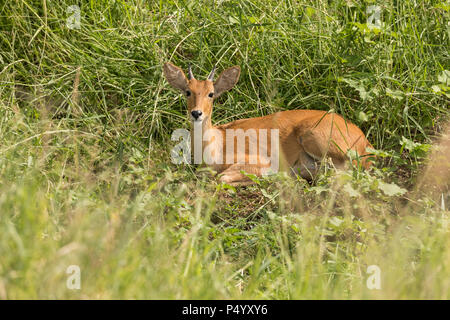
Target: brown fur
x,y
306,136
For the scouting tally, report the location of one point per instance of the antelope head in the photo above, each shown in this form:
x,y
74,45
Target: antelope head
x,y
200,94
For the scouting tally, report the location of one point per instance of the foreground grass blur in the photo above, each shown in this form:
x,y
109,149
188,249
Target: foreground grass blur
x,y
85,171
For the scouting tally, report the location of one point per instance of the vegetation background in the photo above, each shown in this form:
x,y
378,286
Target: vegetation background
x,y
85,171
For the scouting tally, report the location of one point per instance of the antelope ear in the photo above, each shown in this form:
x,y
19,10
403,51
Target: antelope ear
x,y
227,79
175,76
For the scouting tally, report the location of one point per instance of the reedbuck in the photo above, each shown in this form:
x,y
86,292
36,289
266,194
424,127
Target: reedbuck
x,y
298,141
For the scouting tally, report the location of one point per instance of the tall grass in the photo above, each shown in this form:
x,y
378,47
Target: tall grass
x,y
85,171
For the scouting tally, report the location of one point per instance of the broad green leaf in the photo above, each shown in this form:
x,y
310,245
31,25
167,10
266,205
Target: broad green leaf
x,y
391,189
444,77
363,117
396,94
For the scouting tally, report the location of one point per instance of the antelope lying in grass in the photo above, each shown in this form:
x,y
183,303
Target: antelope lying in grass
x,y
300,139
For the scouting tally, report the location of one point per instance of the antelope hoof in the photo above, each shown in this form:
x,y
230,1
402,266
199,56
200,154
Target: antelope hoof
x,y
235,181
226,179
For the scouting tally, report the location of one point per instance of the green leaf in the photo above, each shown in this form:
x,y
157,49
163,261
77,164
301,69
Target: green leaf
x,y
310,11
444,77
391,189
252,20
359,86
252,177
396,94
336,221
414,148
363,117
233,20
436,88
408,144
380,153
225,186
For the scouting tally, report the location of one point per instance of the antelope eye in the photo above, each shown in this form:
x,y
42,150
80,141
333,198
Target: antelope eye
x,y
211,94
188,93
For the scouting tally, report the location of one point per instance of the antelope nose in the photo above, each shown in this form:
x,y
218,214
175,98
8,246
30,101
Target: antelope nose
x,y
196,114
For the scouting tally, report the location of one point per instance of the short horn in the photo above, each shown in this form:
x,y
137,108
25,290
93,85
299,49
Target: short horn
x,y
211,75
190,74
